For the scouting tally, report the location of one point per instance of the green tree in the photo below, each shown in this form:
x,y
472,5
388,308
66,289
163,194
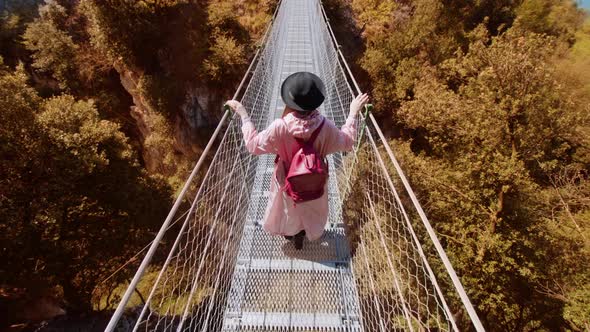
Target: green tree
x,y
559,18
71,181
164,42
227,57
78,201
401,37
14,17
53,50
494,125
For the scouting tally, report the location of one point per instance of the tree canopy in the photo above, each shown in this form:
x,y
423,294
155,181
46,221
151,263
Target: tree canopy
x,y
75,201
485,102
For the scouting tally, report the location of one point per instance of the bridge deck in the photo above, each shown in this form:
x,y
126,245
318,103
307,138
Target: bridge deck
x,y
275,287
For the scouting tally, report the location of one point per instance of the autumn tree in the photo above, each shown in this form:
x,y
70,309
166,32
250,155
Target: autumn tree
x,y
496,125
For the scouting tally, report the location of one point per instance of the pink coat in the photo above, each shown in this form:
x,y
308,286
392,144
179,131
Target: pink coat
x,y
282,216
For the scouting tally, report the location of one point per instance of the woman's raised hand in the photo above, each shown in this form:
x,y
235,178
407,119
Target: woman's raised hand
x,y
358,104
237,107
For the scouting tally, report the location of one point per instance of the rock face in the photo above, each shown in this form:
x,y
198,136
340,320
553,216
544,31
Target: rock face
x,y
177,137
193,119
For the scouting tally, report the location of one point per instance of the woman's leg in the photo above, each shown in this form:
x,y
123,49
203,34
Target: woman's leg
x,y
298,240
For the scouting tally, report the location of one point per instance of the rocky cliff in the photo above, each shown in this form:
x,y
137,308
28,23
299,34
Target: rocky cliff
x,y
167,142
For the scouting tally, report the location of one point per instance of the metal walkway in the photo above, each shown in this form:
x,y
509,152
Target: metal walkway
x,y
211,267
274,285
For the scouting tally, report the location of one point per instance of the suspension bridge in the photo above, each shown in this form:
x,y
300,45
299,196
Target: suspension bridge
x,y
374,267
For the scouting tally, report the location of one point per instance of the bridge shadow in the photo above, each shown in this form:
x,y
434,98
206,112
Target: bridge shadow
x,y
331,248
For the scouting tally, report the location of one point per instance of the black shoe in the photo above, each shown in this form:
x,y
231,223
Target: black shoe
x,y
288,237
298,240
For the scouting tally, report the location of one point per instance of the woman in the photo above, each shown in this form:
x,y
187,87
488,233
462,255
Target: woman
x,y
302,93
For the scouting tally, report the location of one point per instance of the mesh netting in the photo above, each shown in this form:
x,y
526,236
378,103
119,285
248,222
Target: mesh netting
x,y
396,286
367,273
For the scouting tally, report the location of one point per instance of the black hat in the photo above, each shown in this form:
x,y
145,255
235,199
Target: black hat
x,y
303,91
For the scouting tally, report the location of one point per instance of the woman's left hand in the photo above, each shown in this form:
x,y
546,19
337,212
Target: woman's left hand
x,y
358,104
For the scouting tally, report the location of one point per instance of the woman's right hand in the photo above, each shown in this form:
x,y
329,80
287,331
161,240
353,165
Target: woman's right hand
x,y
237,107
358,104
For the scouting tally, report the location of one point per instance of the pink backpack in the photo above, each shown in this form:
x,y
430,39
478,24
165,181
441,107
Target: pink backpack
x,y
308,172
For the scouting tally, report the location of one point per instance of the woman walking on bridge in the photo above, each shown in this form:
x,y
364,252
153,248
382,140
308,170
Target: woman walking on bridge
x,y
301,139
